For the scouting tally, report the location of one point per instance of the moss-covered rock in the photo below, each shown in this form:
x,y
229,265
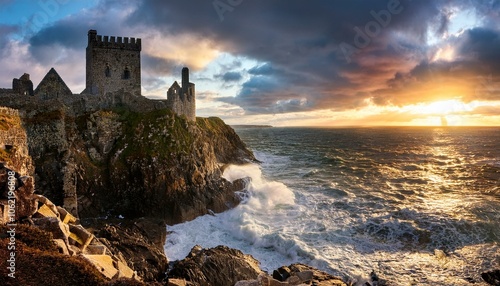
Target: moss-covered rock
x,y
122,162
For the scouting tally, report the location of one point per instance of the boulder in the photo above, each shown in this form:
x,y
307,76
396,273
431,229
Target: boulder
x,y
61,246
319,278
219,266
25,204
176,282
247,283
53,225
79,236
297,274
103,263
282,273
130,245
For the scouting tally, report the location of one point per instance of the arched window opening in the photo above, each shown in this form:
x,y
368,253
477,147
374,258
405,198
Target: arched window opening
x,y
107,72
126,73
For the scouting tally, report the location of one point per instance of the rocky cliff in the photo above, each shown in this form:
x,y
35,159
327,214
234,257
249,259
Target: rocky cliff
x,y
108,162
121,162
13,142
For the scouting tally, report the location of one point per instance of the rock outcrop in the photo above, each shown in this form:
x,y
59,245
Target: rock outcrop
x,y
139,243
35,230
13,142
66,235
135,164
147,167
220,266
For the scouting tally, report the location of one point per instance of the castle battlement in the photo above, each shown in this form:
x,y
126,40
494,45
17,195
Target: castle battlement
x,y
113,64
112,42
113,78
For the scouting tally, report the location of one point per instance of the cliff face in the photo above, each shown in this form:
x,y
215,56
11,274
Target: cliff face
x,y
122,162
13,142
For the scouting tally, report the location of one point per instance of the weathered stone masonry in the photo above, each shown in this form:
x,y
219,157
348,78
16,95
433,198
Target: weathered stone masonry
x,y
113,77
182,99
113,64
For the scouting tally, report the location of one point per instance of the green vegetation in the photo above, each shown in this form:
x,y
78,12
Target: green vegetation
x,y
152,134
211,124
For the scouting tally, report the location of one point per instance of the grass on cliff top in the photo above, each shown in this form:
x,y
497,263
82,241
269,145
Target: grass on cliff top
x,y
211,124
156,133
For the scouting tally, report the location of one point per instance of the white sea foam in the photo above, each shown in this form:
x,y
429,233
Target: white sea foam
x,y
386,212
253,226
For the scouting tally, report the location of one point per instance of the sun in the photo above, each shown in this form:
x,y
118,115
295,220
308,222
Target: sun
x,y
439,113
442,107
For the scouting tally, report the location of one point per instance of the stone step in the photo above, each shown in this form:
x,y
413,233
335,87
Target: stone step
x,y
103,263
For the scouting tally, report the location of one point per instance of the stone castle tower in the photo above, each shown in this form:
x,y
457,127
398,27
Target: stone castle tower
x,y
113,64
182,99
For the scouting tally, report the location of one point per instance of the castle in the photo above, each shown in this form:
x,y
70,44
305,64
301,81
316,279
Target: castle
x,y
113,76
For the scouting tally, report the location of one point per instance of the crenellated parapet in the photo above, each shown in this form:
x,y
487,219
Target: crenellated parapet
x,y
113,64
113,78
112,42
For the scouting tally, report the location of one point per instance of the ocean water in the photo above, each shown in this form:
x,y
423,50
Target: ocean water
x,y
417,205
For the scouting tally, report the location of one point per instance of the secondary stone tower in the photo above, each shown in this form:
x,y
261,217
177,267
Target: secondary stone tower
x,y
182,100
113,64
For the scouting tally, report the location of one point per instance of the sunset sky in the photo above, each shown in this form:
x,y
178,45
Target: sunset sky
x,y
284,63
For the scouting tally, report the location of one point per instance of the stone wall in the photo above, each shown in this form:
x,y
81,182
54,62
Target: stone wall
x,y
113,64
182,99
52,86
183,105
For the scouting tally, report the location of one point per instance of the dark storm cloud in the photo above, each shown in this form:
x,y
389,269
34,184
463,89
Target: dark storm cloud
x,y
476,63
482,45
311,55
70,32
231,76
301,43
66,33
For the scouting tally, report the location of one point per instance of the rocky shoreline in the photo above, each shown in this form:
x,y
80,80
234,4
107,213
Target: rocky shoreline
x,y
98,212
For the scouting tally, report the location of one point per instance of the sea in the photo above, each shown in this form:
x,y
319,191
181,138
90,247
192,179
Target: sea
x,y
413,205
